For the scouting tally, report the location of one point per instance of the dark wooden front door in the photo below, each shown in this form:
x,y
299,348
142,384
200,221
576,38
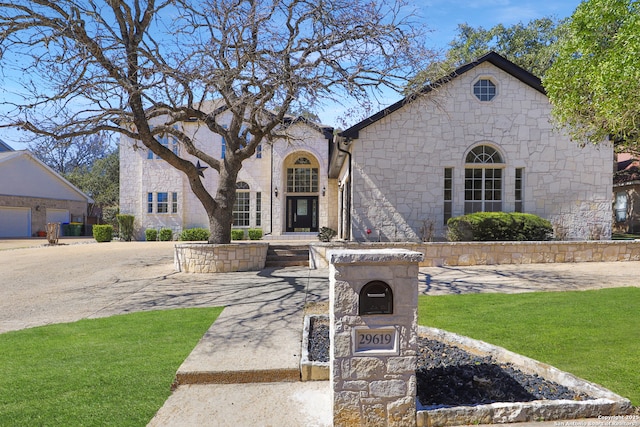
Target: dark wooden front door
x,y
302,213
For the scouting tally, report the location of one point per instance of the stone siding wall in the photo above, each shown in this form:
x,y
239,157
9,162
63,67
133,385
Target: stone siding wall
x,y
208,258
140,175
399,162
373,388
495,253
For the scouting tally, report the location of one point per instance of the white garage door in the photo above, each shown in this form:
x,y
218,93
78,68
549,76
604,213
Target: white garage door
x,y
15,222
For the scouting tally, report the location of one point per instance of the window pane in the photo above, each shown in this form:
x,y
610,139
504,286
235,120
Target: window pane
x,y
484,90
241,209
149,202
302,180
448,194
519,207
258,209
162,203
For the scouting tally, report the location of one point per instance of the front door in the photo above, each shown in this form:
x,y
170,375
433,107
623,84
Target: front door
x,y
302,214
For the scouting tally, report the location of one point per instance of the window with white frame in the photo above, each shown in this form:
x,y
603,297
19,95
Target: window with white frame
x,y
162,202
483,180
242,206
519,190
258,209
302,178
168,142
484,90
448,194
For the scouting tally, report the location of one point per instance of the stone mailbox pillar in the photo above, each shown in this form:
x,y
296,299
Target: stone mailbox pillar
x,y
373,329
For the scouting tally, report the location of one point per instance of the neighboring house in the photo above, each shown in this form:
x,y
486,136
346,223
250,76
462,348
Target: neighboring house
x,y
32,195
283,189
480,139
626,194
4,146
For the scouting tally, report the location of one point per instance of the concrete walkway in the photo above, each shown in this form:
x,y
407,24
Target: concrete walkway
x,y
244,371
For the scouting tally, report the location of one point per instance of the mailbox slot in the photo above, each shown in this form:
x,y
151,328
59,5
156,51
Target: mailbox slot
x,y
375,298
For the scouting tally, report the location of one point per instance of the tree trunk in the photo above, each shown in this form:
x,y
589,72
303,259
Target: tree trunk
x,y
220,226
221,212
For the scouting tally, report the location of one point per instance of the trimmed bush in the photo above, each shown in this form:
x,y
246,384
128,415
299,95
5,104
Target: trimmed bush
x,y
103,232
255,233
499,226
194,234
151,234
326,234
237,234
125,223
166,234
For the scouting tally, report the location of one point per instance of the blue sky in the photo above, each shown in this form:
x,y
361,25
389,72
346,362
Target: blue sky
x,y
442,18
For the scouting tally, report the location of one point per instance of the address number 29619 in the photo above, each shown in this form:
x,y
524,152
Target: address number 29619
x,y
367,340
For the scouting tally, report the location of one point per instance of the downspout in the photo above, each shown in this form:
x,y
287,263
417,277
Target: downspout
x,y
348,141
271,190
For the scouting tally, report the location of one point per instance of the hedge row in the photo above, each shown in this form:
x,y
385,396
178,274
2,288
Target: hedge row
x,y
499,226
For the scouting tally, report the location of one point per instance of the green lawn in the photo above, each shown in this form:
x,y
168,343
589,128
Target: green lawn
x,y
594,335
112,371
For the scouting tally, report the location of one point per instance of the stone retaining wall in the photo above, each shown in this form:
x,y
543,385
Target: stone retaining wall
x,y
211,258
495,253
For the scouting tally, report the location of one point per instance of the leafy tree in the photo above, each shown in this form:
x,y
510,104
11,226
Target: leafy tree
x,y
531,46
594,85
85,65
101,181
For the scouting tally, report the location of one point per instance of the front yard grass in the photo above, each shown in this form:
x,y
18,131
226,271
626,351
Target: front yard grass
x,y
110,371
594,335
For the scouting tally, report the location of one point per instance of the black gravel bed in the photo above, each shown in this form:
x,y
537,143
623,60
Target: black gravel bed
x,y
448,376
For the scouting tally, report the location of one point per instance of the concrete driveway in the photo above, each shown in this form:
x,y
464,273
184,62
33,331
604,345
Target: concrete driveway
x,y
65,283
83,279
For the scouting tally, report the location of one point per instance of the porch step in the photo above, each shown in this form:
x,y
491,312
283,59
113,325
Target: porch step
x,y
287,255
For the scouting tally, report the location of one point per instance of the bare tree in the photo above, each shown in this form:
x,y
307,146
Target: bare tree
x,y
67,155
86,66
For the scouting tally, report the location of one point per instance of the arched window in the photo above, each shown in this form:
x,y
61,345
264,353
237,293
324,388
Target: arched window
x,y
302,178
483,181
241,208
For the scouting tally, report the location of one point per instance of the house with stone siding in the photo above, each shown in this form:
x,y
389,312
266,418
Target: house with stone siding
x,y
480,139
283,189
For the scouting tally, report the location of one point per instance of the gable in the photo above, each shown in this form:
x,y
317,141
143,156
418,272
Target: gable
x,y
491,58
22,175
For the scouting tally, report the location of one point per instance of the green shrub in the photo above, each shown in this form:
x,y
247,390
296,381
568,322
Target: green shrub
x,y
195,234
125,223
151,234
326,234
166,234
255,233
237,234
499,226
103,232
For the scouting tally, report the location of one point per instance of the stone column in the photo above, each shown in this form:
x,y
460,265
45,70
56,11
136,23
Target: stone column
x,y
373,330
